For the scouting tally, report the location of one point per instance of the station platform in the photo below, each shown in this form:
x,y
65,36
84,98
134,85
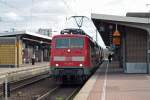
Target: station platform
x,y
23,72
110,83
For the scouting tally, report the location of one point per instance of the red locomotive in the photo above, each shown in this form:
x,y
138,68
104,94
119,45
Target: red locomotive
x,y
74,55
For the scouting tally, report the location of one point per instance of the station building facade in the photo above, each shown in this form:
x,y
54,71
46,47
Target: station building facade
x,y
18,48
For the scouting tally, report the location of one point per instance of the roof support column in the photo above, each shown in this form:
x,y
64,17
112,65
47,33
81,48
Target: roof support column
x,y
124,52
148,51
17,45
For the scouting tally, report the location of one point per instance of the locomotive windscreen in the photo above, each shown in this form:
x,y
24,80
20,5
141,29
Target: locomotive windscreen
x,y
69,43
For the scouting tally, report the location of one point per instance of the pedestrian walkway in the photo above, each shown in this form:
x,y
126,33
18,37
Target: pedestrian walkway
x,y
23,72
4,70
107,84
37,64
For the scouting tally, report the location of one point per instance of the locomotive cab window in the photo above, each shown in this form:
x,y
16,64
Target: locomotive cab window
x,y
62,43
69,43
76,43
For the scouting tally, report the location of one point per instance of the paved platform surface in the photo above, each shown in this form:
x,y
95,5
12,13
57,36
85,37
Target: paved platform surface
x,y
4,70
110,84
23,72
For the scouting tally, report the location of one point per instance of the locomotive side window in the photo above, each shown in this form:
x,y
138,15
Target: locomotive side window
x,y
62,43
76,42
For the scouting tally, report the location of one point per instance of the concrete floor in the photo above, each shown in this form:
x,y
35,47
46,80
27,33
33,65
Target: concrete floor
x,y
112,84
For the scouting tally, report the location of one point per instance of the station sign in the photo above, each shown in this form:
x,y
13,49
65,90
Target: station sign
x,y
116,38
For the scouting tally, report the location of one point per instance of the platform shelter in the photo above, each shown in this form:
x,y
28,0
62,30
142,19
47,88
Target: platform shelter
x,y
132,45
18,48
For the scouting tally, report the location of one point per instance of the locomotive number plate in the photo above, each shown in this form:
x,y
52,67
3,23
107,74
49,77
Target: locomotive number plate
x,y
68,58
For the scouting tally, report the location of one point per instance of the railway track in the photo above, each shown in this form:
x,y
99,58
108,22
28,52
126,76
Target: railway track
x,y
61,92
15,86
40,88
47,93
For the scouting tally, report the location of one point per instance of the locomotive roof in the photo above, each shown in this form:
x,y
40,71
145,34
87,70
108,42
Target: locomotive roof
x,y
70,35
73,31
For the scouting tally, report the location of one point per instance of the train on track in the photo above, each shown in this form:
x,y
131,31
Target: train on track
x,y
74,55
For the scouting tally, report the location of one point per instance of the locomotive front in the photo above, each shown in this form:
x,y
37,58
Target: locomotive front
x,y
69,56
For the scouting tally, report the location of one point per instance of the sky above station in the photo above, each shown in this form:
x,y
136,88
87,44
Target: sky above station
x,y
34,14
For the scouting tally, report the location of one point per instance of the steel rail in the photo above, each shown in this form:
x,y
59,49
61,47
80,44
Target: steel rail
x,y
48,93
72,94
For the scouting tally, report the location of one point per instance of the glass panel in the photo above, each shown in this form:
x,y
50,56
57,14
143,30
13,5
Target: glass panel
x,y
69,43
62,43
76,42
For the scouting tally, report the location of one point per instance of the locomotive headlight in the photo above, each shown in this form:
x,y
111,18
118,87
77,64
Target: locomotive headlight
x,y
68,50
81,65
57,65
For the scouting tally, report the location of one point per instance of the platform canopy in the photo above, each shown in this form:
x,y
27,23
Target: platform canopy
x,y
106,24
25,33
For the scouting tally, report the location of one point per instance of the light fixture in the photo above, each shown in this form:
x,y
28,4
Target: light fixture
x,y
81,65
57,65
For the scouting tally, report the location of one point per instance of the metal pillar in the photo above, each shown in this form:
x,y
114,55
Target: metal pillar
x,y
6,88
17,45
124,51
148,52
41,55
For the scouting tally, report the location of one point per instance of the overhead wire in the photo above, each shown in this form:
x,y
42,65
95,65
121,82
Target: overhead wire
x,y
68,7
